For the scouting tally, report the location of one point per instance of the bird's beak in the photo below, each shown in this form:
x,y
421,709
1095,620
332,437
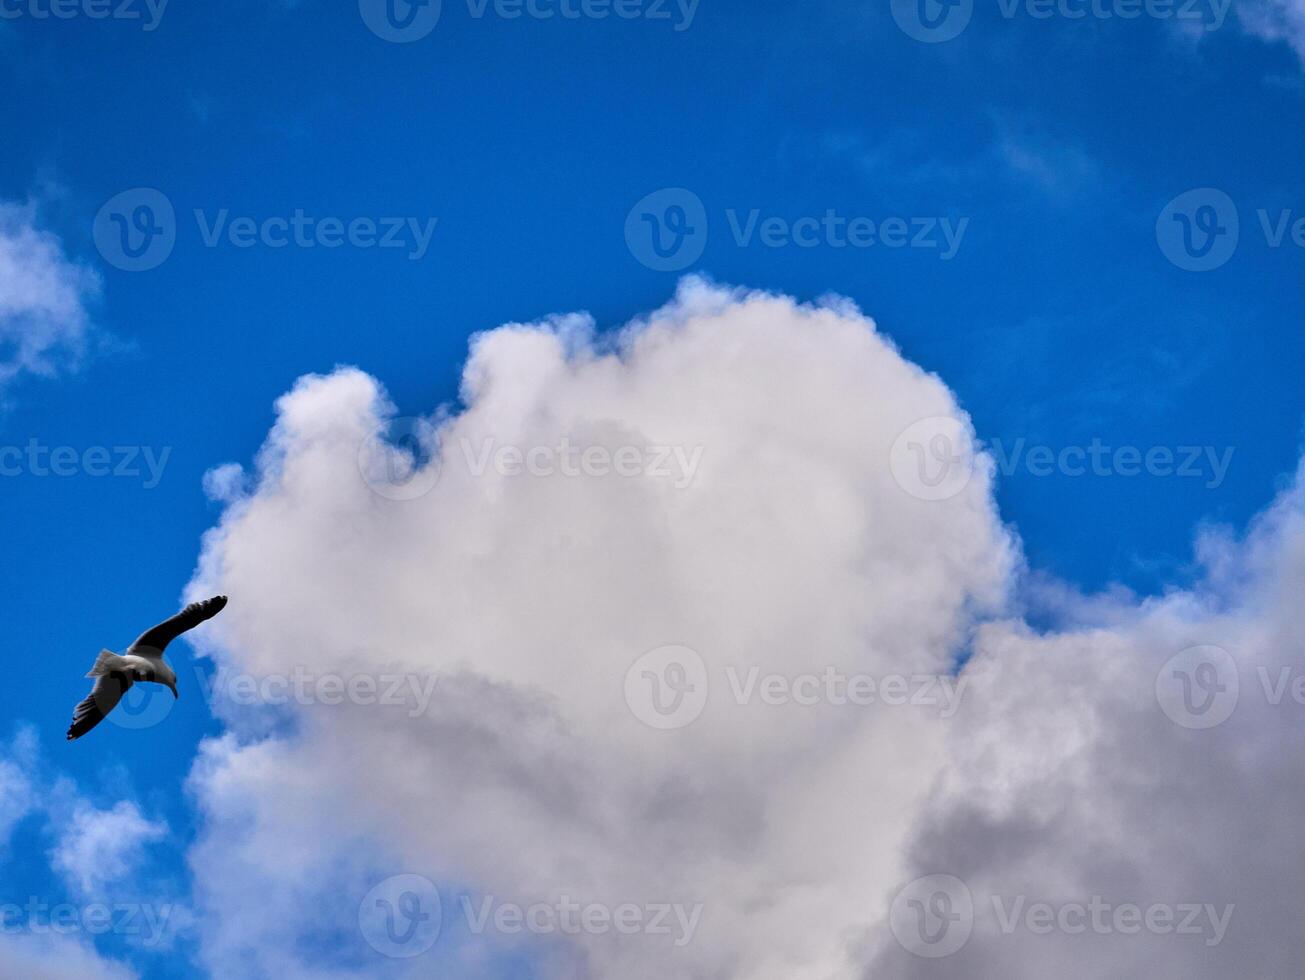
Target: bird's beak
x,y
175,695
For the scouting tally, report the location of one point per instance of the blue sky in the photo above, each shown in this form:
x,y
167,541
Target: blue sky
x,y
1055,143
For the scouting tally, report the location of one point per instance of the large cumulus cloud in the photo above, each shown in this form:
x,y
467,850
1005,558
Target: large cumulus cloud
x,y
797,545
530,778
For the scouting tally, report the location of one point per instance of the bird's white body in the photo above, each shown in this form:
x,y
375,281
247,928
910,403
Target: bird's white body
x,y
144,668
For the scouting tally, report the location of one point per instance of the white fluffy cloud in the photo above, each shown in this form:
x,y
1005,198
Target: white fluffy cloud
x,y
530,594
44,295
529,778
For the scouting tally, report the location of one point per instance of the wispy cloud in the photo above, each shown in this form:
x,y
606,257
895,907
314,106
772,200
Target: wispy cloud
x,y
97,855
1274,21
17,797
1058,169
45,296
1008,157
98,847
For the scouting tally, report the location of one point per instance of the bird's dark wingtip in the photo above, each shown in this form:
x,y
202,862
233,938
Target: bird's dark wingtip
x,y
206,609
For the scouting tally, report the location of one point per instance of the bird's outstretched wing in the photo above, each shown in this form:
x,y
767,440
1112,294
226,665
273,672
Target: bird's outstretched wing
x,y
153,641
104,697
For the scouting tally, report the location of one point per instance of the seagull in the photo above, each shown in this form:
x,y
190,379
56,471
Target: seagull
x,y
143,661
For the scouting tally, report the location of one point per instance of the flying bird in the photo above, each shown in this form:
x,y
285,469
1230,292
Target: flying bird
x,y
143,661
